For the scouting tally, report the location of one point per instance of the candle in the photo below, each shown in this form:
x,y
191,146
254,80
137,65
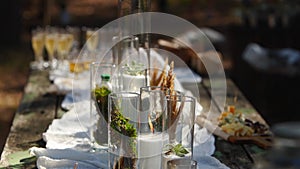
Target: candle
x,y
133,83
150,148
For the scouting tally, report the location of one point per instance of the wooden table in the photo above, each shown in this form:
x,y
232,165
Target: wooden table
x,y
41,104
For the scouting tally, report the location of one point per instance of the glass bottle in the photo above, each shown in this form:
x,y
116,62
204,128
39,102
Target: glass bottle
x,y
104,90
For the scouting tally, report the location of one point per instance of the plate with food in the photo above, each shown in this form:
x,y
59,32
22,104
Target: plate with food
x,y
236,127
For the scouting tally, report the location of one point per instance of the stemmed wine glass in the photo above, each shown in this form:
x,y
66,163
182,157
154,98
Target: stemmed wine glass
x,y
37,42
92,40
64,45
50,44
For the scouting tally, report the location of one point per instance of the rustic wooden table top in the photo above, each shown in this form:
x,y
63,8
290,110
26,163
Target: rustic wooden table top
x,y
41,104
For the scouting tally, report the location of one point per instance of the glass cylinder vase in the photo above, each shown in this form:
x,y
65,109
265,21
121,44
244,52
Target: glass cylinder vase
x,y
139,26
180,127
152,139
123,130
99,103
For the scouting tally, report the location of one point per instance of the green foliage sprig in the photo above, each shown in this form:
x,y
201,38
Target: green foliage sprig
x,y
178,150
134,68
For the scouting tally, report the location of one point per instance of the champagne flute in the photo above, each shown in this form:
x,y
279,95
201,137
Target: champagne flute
x,y
50,43
37,42
92,40
75,64
70,41
64,44
75,31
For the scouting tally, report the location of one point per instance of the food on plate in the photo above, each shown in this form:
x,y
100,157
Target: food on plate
x,y
234,123
237,129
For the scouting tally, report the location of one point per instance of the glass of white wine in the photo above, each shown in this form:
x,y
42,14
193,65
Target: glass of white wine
x,y
50,44
92,40
76,64
37,42
64,45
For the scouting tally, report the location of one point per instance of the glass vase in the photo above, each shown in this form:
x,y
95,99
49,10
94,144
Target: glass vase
x,y
152,139
180,127
123,130
99,104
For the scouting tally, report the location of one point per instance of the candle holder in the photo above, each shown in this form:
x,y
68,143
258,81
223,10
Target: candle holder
x,y
133,77
132,66
123,130
180,123
152,122
100,88
139,27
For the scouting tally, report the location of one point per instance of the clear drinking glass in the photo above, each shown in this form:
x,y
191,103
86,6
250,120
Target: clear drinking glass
x,y
99,104
152,122
123,129
180,127
37,42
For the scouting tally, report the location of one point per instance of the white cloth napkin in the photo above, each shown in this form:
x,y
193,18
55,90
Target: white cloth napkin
x,y
67,82
72,130
67,158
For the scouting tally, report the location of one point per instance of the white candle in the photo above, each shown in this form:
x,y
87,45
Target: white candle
x,y
150,147
133,83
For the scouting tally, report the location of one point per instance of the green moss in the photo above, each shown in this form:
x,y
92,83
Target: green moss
x,y
100,95
122,125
